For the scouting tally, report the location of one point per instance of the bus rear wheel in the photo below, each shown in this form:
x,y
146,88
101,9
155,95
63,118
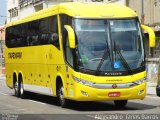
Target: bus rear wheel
x,y
22,91
60,94
120,103
16,89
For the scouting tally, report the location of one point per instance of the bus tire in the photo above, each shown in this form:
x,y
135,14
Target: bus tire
x,y
60,94
120,103
22,91
16,87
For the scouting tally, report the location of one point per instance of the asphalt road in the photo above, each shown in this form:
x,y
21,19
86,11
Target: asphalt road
x,y
39,107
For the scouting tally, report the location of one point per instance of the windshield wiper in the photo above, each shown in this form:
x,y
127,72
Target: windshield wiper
x,y
125,64
105,55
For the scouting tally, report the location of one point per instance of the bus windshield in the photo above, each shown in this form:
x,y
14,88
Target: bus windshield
x,y
109,45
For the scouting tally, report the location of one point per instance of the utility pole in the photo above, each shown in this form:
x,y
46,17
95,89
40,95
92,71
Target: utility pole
x,y
142,12
1,50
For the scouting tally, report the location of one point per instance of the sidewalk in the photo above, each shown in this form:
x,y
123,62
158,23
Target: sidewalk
x,y
2,77
151,88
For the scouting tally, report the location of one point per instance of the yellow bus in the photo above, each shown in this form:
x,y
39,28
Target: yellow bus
x,y
78,51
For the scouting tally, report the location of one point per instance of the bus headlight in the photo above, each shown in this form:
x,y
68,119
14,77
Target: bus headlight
x,y
83,82
138,82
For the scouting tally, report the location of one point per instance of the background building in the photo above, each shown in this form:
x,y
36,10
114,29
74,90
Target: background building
x,y
2,38
17,9
148,11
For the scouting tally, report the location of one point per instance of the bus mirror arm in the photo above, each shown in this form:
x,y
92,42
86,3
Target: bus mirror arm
x,y
151,35
71,36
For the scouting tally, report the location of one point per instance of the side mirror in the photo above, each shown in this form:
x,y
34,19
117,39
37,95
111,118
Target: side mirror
x,y
71,36
151,35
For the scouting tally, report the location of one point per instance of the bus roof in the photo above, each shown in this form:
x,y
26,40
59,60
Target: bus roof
x,y
96,10
81,10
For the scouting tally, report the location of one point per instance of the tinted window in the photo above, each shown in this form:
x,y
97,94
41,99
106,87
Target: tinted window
x,y
66,20
39,32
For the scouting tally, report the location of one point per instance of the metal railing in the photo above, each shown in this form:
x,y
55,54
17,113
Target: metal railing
x,y
23,3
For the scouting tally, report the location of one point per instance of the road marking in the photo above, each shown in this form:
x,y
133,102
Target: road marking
x,y
93,116
37,102
28,100
4,94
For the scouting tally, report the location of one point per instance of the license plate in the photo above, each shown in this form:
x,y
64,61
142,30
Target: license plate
x,y
114,94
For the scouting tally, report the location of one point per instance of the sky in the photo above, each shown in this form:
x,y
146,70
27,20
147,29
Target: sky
x,y
2,11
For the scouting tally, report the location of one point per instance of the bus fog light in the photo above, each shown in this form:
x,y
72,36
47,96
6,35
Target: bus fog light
x,y
84,93
140,92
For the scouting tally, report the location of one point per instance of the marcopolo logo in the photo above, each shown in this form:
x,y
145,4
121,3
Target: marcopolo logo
x,y
114,86
15,55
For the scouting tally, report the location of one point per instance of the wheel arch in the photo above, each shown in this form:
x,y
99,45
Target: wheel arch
x,y
15,78
20,75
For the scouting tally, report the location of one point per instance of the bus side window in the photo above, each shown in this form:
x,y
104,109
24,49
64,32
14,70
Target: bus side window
x,y
66,20
19,42
35,40
28,42
38,32
42,39
54,39
12,44
69,53
53,30
48,28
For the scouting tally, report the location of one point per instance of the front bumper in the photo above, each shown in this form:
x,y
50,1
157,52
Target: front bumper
x,y
86,93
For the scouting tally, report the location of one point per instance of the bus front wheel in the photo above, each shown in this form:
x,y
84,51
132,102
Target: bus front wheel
x,y
60,95
120,103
